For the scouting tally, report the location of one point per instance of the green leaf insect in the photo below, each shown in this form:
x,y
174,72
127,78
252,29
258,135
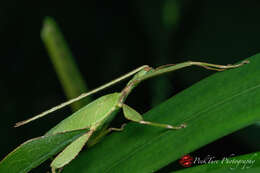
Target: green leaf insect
x,y
96,116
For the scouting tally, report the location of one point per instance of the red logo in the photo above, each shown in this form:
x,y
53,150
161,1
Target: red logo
x,y
186,161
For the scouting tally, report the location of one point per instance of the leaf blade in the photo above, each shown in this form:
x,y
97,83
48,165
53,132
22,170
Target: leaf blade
x,y
35,151
207,107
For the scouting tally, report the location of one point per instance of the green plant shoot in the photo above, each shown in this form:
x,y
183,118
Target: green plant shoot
x,y
97,115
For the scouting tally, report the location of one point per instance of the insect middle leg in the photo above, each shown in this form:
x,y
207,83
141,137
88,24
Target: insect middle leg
x,y
103,133
133,115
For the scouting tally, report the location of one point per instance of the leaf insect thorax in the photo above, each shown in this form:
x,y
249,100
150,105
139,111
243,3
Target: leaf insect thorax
x,y
133,83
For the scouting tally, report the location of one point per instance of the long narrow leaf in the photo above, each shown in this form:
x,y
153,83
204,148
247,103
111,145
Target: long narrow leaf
x,y
217,106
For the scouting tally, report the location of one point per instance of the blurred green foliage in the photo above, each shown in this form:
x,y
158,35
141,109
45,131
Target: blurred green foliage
x,y
63,61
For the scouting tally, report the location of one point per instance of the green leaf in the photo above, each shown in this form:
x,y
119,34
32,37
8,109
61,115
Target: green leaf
x,y
63,61
245,163
217,106
35,151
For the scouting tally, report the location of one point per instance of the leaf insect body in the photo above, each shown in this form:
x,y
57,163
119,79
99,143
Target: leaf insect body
x,y
97,115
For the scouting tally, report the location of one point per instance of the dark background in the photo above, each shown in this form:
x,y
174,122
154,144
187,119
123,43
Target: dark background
x,y
110,38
